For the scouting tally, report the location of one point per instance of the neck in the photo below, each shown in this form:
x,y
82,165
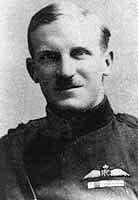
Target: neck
x,y
83,120
70,113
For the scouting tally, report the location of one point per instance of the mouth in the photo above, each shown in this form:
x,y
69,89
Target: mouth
x,y
67,87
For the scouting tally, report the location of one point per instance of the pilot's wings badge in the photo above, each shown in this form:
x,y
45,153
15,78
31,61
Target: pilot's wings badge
x,y
105,177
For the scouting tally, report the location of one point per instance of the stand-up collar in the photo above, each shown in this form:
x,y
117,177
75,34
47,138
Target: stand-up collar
x,y
80,124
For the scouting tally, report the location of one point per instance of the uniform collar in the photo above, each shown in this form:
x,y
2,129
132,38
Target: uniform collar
x,y
80,124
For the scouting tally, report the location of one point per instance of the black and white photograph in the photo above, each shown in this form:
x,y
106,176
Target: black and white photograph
x,y
69,100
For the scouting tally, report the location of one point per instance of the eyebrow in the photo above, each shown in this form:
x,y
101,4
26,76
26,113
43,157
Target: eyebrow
x,y
81,49
73,49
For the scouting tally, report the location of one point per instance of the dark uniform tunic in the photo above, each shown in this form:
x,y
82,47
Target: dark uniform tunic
x,y
55,151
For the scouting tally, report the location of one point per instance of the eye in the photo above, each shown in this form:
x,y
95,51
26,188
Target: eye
x,y
48,56
79,53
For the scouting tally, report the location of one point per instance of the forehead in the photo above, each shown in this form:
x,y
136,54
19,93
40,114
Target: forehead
x,y
68,31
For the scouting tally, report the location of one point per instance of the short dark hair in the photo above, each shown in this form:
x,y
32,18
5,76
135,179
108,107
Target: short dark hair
x,y
51,13
46,15
105,37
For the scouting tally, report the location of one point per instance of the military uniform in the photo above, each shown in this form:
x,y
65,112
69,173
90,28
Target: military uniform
x,y
56,151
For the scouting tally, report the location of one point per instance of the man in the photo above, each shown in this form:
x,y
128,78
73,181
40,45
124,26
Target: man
x,y
81,138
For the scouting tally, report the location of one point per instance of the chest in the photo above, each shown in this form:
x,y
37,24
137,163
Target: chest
x,y
71,160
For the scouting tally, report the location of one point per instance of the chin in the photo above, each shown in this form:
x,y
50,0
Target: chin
x,y
74,104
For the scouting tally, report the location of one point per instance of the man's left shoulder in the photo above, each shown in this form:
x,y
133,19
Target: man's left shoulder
x,y
127,126
127,119
127,132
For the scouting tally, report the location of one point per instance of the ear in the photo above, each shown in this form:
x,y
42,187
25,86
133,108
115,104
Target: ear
x,y
31,69
109,57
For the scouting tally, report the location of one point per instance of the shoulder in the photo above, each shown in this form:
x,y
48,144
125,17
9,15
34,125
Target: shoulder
x,y
13,143
127,119
23,131
127,128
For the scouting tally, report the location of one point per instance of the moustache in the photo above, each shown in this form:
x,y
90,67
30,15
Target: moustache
x,y
64,83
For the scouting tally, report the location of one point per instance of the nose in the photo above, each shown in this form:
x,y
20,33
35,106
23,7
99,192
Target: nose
x,y
66,68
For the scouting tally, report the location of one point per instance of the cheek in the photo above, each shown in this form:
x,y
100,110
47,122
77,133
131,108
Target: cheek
x,y
93,79
91,73
90,67
46,75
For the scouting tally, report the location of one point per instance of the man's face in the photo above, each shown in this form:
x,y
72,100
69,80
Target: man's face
x,y
68,63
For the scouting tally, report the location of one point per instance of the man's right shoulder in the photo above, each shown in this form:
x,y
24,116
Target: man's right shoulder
x,y
24,130
11,152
